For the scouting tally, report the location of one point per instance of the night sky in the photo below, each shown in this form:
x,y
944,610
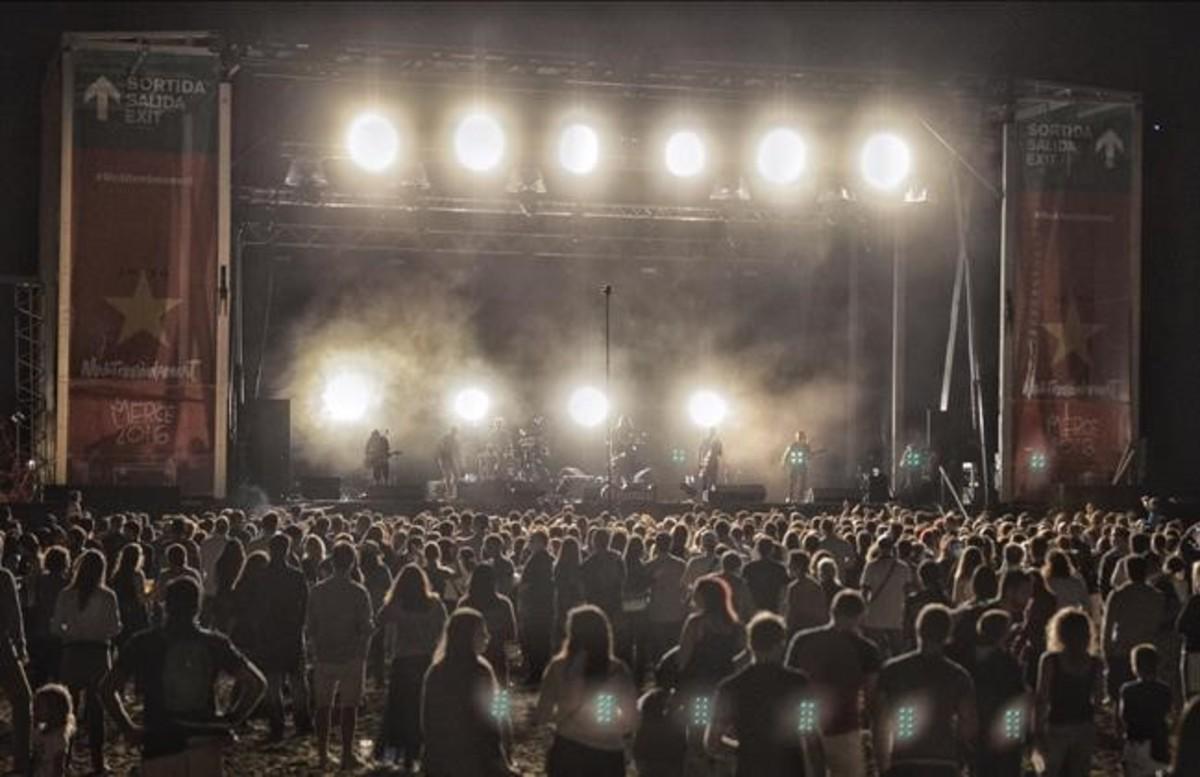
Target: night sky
x,y
1145,47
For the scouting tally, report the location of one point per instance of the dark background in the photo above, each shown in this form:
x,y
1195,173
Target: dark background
x,y
1148,48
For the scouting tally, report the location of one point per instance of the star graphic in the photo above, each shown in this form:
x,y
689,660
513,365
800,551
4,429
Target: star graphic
x,y
142,311
1072,336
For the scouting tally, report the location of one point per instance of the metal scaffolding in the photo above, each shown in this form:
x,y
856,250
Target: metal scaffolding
x,y
29,443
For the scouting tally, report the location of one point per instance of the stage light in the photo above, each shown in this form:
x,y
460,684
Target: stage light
x,y
707,408
604,708
1038,461
372,142
471,405
685,156
346,397
579,149
479,142
782,156
588,406
906,723
886,161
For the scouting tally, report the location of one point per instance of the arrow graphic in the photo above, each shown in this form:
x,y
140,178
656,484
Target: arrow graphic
x,y
1110,145
101,91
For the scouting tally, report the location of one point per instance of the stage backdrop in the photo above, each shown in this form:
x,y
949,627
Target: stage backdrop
x,y
1072,272
138,269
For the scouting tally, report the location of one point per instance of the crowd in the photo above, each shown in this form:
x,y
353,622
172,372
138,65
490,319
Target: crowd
x,y
703,643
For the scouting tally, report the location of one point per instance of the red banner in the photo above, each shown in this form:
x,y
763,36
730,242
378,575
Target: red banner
x,y
143,342
1074,269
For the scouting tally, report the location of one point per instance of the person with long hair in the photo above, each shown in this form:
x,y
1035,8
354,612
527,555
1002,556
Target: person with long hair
x,y
462,707
568,584
635,600
535,595
1061,580
228,569
87,617
129,584
498,611
418,617
970,560
45,647
1069,689
711,638
589,697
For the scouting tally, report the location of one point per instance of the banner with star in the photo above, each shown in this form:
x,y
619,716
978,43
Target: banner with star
x,y
142,270
1072,271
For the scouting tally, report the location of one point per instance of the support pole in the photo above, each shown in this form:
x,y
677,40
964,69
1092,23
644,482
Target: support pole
x,y
608,484
898,316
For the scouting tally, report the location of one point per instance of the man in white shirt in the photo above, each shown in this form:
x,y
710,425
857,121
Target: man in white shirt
x,y
885,583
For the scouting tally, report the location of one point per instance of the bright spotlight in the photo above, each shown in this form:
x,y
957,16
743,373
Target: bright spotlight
x,y
588,406
346,397
471,405
886,161
685,155
372,142
479,142
782,155
578,149
707,408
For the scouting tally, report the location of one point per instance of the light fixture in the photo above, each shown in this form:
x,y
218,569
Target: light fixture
x,y
885,161
588,406
471,405
479,142
372,142
707,408
525,180
782,156
346,397
684,154
579,149
306,172
728,191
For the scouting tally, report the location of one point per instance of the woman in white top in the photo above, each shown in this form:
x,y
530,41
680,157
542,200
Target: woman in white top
x,y
86,618
589,697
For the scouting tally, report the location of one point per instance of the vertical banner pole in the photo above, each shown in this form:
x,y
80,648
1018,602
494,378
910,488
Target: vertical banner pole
x,y
1004,404
221,409
62,370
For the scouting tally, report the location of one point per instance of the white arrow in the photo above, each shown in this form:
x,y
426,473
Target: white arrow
x,y
1110,145
101,90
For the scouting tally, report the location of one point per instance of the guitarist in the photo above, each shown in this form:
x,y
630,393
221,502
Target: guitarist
x,y
795,459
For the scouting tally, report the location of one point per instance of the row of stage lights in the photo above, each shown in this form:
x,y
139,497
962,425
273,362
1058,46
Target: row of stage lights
x,y
347,398
481,146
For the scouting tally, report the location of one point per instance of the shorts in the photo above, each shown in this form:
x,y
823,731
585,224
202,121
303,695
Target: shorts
x,y
345,679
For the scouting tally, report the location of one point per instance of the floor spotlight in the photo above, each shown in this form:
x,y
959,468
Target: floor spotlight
x,y
782,156
579,149
685,155
346,397
707,408
886,161
372,142
588,406
479,142
471,405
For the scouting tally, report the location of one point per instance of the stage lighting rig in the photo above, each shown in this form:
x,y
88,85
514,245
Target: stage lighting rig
x,y
885,161
479,142
372,142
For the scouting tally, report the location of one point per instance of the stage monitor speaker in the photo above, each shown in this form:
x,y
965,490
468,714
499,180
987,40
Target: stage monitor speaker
x,y
737,495
521,490
269,446
321,487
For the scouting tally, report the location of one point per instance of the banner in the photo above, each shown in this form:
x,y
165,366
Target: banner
x,y
1073,262
143,254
